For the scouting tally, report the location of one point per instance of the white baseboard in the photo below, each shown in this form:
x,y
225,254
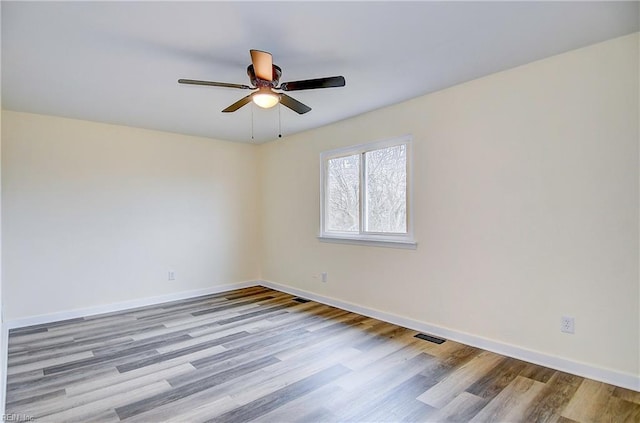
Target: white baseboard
x,y
125,305
613,377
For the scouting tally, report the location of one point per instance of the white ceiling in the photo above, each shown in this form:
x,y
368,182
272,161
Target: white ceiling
x,y
118,62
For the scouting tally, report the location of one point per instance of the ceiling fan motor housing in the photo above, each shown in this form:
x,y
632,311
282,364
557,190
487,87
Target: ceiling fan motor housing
x,y
257,82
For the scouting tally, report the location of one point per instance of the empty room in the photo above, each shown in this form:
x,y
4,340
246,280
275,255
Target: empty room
x,y
320,211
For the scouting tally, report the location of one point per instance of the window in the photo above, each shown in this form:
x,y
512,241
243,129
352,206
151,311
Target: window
x,y
365,193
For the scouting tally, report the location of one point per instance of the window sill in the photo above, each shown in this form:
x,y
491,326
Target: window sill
x,y
408,245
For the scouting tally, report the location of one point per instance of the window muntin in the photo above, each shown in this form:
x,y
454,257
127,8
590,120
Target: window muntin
x,y
365,192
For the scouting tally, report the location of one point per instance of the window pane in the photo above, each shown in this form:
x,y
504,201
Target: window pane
x,y
343,197
386,190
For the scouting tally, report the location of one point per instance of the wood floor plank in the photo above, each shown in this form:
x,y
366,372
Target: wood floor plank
x,y
374,385
310,407
391,365
460,379
53,382
538,373
510,404
192,404
16,333
98,381
461,409
589,401
122,383
211,346
201,412
55,395
34,353
316,415
23,377
384,349
492,383
105,323
282,396
93,363
282,374
44,343
553,398
627,395
401,401
87,411
185,390
619,410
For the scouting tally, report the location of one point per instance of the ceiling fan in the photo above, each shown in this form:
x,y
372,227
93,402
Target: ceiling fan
x,y
264,77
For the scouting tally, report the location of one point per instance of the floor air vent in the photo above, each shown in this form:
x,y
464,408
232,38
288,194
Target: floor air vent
x,y
301,300
429,338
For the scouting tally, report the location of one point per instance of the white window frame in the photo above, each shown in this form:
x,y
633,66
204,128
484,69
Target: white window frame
x,y
397,240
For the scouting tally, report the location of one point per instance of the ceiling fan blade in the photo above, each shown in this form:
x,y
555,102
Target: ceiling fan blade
x,y
235,106
262,64
311,84
294,104
213,84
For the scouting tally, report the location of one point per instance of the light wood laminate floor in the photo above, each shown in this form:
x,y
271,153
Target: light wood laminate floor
x,y
259,355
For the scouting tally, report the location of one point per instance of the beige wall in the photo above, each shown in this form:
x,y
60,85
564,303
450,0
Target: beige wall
x,y
95,214
526,209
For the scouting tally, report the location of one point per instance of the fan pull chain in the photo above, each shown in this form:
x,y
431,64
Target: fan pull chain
x,y
252,121
279,120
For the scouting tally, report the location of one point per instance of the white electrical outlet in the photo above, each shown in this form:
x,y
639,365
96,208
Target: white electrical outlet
x,y
568,325
324,276
171,275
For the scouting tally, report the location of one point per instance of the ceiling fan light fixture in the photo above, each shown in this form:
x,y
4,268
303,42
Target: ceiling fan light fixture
x,y
265,98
